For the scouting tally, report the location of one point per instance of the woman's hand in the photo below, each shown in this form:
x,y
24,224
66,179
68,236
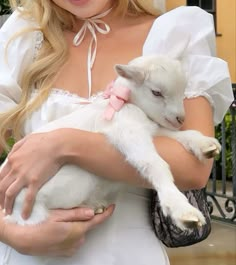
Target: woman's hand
x,y
31,162
61,235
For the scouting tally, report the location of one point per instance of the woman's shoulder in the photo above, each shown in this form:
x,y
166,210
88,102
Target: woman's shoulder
x,y
22,35
16,22
19,40
182,25
188,33
24,28
191,19
184,15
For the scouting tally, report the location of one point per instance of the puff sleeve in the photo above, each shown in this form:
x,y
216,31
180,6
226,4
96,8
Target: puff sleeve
x,y
19,54
188,33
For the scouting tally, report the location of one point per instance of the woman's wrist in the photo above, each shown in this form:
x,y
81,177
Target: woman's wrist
x,y
91,151
62,143
69,144
5,235
2,228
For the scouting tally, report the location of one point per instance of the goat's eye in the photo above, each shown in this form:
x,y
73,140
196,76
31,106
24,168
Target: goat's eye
x,y
157,93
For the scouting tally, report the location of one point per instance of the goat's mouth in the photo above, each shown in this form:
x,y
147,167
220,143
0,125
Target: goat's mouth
x,y
174,125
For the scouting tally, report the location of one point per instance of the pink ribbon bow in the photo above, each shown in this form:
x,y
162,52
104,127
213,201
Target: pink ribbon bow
x,y
118,97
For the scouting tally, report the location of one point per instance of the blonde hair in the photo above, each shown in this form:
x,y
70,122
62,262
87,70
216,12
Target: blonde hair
x,y
52,21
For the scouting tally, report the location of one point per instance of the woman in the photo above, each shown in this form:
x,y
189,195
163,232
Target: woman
x,y
55,65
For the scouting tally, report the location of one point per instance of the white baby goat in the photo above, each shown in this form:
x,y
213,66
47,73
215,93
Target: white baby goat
x,y
155,107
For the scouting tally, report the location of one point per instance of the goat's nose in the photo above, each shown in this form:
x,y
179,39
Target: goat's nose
x,y
180,119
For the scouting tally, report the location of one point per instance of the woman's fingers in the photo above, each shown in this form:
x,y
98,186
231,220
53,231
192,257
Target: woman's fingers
x,y
4,186
10,188
29,201
81,214
25,167
10,195
61,235
72,215
78,230
11,182
99,218
17,145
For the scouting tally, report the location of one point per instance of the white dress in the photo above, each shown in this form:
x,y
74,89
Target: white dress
x,y
127,237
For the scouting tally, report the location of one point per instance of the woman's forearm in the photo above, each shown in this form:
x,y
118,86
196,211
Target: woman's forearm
x,y
94,153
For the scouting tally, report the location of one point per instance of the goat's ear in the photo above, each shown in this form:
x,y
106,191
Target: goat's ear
x,y
131,72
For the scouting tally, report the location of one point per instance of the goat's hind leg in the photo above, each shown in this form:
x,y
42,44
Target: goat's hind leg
x,y
136,144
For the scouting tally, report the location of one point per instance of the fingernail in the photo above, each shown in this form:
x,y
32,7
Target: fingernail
x,y
89,212
24,216
113,207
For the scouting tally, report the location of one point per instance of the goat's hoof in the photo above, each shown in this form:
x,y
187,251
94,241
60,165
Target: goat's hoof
x,y
100,210
185,216
191,222
211,151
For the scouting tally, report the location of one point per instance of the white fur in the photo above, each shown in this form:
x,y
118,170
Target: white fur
x,y
131,131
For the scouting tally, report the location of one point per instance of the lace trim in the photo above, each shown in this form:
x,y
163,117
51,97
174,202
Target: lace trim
x,y
58,91
194,94
62,92
66,93
38,43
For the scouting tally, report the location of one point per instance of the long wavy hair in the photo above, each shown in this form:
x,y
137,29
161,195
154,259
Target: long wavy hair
x,y
52,21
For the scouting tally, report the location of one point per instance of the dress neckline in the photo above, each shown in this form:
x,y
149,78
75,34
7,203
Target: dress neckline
x,y
93,25
64,92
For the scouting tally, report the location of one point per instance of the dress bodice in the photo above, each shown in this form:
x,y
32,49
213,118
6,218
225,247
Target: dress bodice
x,y
58,104
186,33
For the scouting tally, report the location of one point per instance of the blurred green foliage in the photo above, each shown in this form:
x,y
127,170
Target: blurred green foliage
x,y
226,129
4,154
4,7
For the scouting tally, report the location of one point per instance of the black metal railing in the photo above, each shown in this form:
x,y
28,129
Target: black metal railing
x,y
221,188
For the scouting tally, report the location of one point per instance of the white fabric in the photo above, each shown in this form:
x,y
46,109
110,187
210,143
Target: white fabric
x,y
19,55
189,27
188,33
127,238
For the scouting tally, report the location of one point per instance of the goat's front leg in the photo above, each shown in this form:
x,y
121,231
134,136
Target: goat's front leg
x,y
136,144
195,142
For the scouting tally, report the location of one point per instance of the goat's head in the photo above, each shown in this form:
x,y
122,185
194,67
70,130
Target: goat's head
x,y
157,85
